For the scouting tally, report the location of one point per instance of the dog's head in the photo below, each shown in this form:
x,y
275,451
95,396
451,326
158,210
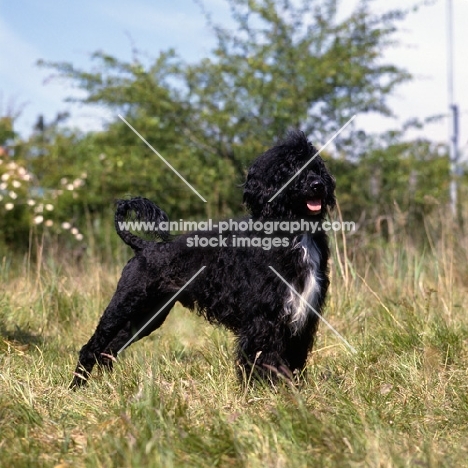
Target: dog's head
x,y
308,194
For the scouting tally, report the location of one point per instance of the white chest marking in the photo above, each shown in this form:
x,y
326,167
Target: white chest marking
x,y
297,307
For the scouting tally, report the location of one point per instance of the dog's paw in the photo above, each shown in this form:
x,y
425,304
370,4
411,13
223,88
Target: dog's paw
x,y
79,380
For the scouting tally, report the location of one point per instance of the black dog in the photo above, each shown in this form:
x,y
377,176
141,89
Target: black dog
x,y
274,326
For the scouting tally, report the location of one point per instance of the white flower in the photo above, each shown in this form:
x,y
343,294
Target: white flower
x,y
5,177
16,184
39,208
12,195
79,237
31,202
78,183
66,225
69,187
49,223
9,206
38,219
12,165
22,171
74,231
26,177
64,180
49,207
3,186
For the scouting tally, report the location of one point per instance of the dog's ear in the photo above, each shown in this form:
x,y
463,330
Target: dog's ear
x,y
258,189
331,198
251,191
266,176
330,185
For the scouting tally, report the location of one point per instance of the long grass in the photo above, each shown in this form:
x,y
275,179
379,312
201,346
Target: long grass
x,y
174,400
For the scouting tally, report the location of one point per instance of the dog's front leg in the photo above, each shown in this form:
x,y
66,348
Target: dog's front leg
x,y
261,351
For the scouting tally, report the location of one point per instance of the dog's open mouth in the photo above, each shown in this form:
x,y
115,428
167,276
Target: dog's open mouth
x,y
314,205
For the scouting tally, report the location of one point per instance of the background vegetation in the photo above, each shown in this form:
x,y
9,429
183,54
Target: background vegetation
x,y
284,65
398,284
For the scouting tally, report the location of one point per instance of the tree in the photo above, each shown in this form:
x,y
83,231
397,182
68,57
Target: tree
x,y
282,66
291,66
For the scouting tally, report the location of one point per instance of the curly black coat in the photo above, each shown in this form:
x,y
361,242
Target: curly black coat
x,y
274,328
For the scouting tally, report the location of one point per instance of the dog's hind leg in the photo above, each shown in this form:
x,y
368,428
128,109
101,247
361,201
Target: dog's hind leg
x,y
136,329
129,299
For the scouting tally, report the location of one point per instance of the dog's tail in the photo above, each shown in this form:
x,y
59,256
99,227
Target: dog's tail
x,y
147,217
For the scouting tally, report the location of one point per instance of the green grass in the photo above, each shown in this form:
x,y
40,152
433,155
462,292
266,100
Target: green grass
x,y
174,400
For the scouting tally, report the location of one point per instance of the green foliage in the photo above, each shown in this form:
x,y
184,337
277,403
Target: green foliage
x,y
35,197
6,129
394,181
291,66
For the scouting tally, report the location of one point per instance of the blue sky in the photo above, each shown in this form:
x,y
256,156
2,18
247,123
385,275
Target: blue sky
x,y
70,31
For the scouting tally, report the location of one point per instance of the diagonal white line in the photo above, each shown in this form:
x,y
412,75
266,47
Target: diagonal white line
x,y
159,156
353,350
161,309
312,158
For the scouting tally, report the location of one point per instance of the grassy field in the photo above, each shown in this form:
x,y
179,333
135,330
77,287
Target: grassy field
x,y
173,400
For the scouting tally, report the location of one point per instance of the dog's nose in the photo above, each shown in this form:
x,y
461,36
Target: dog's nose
x,y
317,186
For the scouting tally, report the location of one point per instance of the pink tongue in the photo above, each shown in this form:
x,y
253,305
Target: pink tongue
x,y
314,205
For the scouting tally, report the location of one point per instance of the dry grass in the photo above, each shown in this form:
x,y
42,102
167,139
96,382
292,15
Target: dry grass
x,y
402,400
